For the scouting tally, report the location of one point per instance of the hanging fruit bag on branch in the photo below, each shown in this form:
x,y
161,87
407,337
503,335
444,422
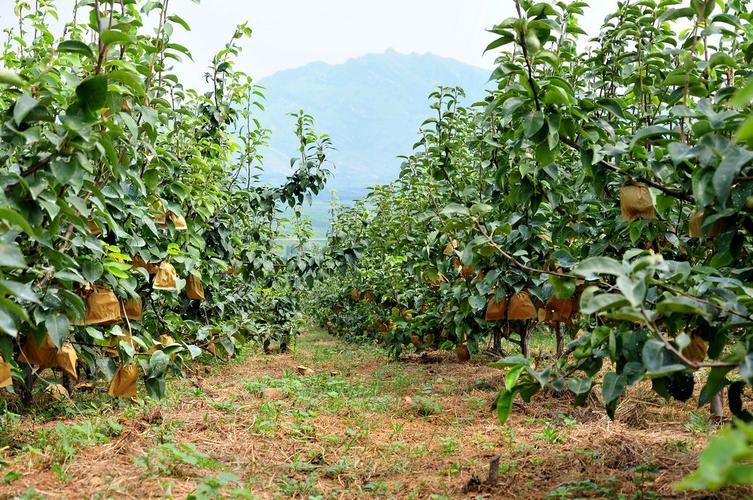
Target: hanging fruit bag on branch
x,y
6,378
123,384
496,310
166,277
133,309
521,307
46,355
102,306
194,288
636,202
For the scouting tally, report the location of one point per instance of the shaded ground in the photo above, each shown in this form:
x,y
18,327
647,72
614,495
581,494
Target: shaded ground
x,y
357,427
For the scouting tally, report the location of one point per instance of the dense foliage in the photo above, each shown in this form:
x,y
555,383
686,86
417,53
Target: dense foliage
x,y
605,192
133,229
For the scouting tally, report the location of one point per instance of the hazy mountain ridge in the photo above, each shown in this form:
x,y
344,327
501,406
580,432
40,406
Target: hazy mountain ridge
x,y
371,107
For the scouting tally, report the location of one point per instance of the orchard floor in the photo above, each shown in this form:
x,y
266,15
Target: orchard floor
x,y
358,426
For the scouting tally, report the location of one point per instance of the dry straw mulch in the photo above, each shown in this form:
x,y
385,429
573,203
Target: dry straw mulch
x,y
376,443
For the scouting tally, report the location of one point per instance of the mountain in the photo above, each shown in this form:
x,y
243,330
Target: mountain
x,y
371,107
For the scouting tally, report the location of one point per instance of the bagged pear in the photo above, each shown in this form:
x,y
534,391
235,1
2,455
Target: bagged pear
x,y
133,309
6,377
521,307
166,277
496,310
102,307
66,360
636,202
123,384
194,288
42,356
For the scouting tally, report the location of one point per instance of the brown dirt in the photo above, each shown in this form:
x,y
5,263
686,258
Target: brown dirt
x,y
382,435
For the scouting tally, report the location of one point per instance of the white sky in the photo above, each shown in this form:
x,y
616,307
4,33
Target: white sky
x,y
291,33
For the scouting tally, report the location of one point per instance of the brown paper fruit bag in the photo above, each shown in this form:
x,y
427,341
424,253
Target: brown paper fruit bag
x,y
123,384
636,202
178,221
133,309
194,288
166,277
6,378
495,311
462,352
42,356
521,307
102,307
66,360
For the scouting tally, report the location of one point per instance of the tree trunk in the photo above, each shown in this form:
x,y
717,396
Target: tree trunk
x,y
559,331
717,405
26,391
524,341
68,384
497,344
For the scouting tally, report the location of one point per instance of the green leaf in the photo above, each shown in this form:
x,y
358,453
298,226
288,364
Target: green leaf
x,y
92,92
12,79
715,382
179,20
11,256
155,387
633,290
728,169
743,96
681,305
504,39
22,291
504,405
599,265
612,106
10,215
595,303
24,105
651,132
533,123
92,270
722,463
118,269
7,322
129,79
76,47
511,379
579,385
453,209
721,59
656,360
481,209
612,387
158,363
57,327
563,288
477,302
110,37
745,132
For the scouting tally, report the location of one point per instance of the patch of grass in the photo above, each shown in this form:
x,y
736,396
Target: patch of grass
x,y
450,445
425,406
551,435
293,487
579,489
164,459
699,423
65,440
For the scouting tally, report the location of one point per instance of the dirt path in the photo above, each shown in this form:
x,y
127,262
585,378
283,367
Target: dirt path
x,y
358,426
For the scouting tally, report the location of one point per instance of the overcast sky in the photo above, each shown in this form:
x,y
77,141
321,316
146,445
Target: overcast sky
x,y
291,33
